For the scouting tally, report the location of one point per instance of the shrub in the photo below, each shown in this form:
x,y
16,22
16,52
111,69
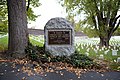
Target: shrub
x,y
36,53
80,60
31,52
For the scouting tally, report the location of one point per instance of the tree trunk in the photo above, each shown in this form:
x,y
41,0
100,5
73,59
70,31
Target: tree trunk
x,y
18,33
104,41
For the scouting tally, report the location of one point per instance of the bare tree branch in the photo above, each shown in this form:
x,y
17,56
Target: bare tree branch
x,y
115,20
116,26
28,5
94,21
108,13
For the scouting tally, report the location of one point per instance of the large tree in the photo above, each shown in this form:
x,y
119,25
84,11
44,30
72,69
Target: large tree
x,y
17,25
17,22
16,11
102,15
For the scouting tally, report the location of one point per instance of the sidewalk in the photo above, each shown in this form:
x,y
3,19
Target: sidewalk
x,y
7,72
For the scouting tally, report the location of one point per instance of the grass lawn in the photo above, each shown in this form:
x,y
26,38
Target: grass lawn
x,y
4,43
36,43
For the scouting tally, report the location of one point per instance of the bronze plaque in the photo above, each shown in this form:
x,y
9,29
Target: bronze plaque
x,y
59,37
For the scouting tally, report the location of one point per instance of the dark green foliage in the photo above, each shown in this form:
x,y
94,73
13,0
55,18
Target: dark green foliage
x,y
31,16
31,52
117,32
60,59
36,53
3,17
80,60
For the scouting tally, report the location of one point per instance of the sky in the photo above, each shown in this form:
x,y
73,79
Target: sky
x,y
49,9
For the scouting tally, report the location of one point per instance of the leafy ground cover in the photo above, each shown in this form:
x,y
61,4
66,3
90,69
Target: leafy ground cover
x,y
36,53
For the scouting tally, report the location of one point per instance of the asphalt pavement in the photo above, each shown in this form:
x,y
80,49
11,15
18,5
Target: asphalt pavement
x,y
8,72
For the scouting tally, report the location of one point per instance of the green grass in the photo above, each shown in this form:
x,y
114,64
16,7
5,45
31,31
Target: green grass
x,y
36,43
3,43
84,49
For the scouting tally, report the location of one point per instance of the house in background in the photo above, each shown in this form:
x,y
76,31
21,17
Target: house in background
x,y
37,32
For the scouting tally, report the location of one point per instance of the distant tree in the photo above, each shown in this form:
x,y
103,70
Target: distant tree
x,y
101,15
30,4
90,32
117,32
3,27
3,17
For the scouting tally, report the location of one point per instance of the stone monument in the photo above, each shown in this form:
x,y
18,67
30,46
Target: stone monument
x,y
59,37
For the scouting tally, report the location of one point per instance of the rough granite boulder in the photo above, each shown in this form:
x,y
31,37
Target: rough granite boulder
x,y
59,37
